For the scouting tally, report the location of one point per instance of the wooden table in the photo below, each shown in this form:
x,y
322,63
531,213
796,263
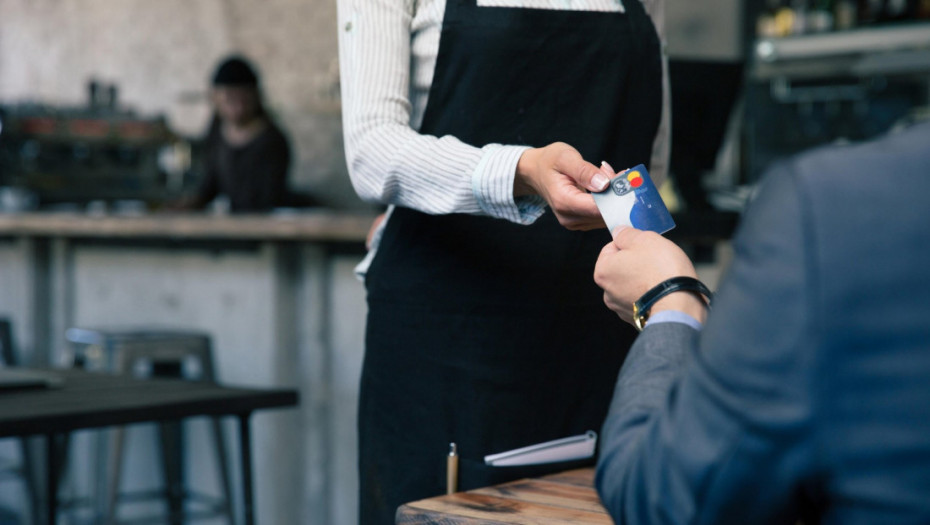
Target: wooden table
x,y
564,498
89,400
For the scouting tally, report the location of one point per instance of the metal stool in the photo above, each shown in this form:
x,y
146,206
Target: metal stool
x,y
152,353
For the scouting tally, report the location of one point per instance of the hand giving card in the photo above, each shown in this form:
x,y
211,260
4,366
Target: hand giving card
x,y
633,200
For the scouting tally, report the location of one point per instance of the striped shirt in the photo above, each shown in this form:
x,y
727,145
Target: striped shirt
x,y
387,56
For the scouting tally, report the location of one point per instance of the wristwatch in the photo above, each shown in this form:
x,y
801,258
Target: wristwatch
x,y
675,284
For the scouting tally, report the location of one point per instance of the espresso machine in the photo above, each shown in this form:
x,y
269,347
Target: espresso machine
x,y
96,153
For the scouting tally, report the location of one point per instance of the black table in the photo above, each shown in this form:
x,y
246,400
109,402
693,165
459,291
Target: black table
x,y
88,400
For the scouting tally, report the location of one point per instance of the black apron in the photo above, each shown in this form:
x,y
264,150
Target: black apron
x,y
483,332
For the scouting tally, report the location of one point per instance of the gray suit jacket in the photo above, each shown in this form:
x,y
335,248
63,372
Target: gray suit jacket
x,y
808,391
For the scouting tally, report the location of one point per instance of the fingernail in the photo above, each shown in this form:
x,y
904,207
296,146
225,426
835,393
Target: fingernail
x,y
619,229
604,164
600,181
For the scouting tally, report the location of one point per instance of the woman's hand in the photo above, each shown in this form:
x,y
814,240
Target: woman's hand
x,y
558,174
635,262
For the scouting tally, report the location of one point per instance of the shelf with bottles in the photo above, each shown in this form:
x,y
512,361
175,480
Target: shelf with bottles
x,y
785,18
900,49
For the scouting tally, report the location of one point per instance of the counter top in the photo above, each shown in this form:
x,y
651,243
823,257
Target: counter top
x,y
313,225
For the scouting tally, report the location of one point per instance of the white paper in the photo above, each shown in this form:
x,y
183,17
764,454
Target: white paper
x,y
565,449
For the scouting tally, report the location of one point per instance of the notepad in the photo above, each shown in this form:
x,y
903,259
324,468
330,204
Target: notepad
x,y
566,449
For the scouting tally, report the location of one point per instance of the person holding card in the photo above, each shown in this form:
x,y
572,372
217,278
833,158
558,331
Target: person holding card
x,y
805,395
477,121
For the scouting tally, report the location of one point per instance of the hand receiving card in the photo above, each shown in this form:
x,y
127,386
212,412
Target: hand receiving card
x,y
633,200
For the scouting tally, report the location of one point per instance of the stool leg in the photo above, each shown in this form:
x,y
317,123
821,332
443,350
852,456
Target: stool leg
x,y
222,460
205,356
109,472
51,493
173,464
56,462
245,443
29,478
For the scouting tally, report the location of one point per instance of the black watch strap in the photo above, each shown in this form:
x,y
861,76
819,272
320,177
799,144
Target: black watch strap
x,y
675,284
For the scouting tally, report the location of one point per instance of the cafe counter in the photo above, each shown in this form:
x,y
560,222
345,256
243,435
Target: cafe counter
x,y
312,226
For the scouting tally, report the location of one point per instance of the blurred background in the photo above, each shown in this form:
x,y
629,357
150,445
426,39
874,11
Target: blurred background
x,y
97,92
103,105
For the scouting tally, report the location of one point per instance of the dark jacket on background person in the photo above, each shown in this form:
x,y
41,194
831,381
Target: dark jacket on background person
x,y
253,175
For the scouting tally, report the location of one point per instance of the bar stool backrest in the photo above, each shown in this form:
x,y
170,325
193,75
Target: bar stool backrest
x,y
144,352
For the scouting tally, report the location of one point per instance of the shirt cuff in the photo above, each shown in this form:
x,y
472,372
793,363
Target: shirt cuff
x,y
492,184
673,316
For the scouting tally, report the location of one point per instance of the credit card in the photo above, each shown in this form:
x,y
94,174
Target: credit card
x,y
633,200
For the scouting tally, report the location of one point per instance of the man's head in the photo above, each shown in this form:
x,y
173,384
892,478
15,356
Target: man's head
x,y
235,91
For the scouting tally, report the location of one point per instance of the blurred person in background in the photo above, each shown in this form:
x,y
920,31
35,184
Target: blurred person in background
x,y
246,155
807,392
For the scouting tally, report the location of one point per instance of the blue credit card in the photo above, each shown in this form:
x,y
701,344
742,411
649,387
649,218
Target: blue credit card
x,y
633,200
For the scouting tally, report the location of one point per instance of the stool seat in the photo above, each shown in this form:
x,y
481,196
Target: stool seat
x,y
147,352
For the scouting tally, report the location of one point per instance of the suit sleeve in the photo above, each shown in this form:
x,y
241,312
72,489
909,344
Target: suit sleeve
x,y
716,427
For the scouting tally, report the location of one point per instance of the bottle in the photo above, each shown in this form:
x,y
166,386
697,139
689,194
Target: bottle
x,y
801,9
922,10
765,24
868,12
895,11
785,19
844,15
821,18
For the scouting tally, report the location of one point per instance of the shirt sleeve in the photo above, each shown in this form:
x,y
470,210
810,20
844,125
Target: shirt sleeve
x,y
673,316
717,427
391,163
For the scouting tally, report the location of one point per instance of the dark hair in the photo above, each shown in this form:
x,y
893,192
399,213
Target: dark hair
x,y
235,71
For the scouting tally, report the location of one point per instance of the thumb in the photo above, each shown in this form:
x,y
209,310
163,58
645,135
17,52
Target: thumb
x,y
625,236
584,173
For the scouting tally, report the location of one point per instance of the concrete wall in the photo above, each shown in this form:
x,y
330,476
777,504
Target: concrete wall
x,y
705,30
162,53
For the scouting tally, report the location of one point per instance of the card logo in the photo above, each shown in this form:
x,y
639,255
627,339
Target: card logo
x,y
626,182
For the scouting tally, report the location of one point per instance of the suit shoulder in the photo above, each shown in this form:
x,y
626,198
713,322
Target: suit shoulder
x,y
902,156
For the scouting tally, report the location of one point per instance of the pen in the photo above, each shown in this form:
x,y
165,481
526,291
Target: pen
x,y
452,470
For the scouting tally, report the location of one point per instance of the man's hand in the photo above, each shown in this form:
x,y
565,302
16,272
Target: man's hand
x,y
558,174
635,262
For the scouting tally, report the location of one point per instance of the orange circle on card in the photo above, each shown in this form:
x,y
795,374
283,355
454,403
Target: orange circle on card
x,y
636,180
